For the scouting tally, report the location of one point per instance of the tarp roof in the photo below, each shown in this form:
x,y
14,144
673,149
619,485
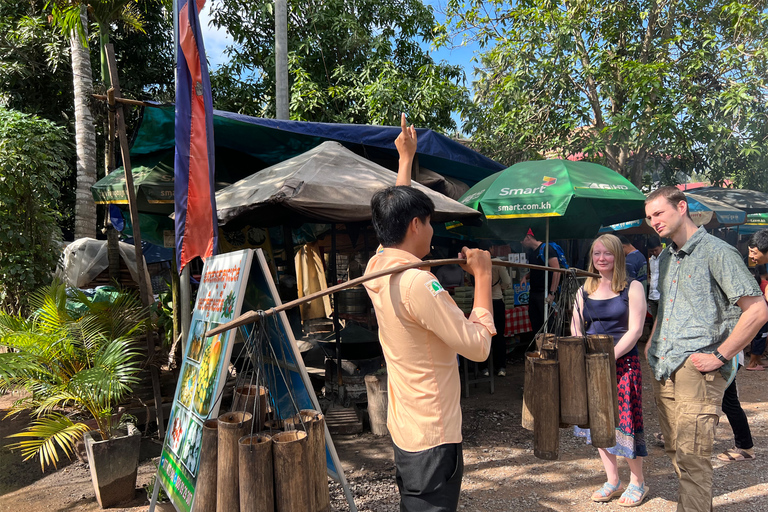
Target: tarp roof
x,y
273,141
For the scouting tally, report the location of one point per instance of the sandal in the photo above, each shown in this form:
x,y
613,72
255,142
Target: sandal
x,y
607,492
736,454
757,368
635,494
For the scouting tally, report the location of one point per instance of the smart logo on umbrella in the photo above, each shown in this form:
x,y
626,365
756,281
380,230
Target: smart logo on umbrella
x,y
548,182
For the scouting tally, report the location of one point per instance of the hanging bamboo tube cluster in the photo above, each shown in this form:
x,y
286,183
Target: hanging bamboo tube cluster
x,y
265,471
570,381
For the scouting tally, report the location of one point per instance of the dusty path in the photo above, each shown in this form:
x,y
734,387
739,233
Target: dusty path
x,y
501,473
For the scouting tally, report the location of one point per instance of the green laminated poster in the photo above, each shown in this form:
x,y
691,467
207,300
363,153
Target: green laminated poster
x,y
203,373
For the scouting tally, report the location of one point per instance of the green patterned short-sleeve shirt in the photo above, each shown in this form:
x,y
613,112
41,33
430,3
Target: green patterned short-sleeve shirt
x,y
700,285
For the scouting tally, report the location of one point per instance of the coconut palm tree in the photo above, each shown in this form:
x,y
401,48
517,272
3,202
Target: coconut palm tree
x,y
71,16
71,364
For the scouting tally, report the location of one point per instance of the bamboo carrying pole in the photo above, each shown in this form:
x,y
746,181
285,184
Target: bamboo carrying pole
x,y
573,381
253,316
232,426
257,493
290,461
378,401
600,411
528,394
317,472
205,488
244,399
602,343
546,409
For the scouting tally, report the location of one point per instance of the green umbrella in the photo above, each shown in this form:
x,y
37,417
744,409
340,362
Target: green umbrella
x,y
566,198
152,179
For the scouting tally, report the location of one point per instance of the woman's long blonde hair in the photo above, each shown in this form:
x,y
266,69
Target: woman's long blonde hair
x,y
619,280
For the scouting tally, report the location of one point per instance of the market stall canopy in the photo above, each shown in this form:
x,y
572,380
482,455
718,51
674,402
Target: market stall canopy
x,y
329,183
273,141
749,201
569,199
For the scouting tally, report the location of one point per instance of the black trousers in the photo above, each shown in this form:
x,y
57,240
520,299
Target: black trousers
x,y
430,480
736,417
536,310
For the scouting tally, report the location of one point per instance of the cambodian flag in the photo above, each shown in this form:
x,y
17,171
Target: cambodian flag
x,y
196,223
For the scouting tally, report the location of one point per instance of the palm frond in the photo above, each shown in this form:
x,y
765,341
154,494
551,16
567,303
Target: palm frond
x,y
45,436
66,16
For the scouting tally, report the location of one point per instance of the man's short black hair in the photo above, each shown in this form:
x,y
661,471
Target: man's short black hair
x,y
393,209
653,242
624,240
760,241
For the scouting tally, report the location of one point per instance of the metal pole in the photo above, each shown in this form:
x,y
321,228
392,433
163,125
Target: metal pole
x,y
185,312
546,278
281,60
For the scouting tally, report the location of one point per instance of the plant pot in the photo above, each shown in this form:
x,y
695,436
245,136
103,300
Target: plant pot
x,y
114,465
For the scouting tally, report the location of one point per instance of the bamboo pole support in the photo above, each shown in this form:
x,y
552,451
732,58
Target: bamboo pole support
x,y
599,382
602,343
573,381
317,472
257,491
546,409
253,316
232,426
290,467
528,391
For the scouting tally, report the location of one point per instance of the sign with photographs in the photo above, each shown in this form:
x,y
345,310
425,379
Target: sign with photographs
x,y
203,373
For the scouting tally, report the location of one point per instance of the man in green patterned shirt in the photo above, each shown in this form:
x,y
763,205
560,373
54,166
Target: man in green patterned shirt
x,y
710,309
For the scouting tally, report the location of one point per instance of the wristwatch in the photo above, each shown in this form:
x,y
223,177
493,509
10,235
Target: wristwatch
x,y
720,356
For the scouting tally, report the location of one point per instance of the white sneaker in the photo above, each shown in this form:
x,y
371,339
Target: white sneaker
x,y
486,373
502,372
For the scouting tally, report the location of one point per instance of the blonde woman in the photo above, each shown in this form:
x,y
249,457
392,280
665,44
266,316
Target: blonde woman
x,y
614,306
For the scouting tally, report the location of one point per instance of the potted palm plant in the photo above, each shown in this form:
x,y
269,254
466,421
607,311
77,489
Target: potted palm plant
x,y
77,359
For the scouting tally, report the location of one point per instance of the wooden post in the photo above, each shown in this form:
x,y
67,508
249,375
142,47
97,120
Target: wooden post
x,y
205,489
599,382
528,392
601,343
232,426
378,402
144,288
290,462
546,409
573,381
257,492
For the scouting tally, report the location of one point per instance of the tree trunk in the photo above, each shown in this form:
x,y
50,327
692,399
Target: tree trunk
x,y
85,135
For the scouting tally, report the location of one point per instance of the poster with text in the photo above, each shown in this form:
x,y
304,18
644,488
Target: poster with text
x,y
203,373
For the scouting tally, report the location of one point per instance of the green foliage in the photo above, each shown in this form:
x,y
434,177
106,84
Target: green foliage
x,y
85,362
32,164
666,86
349,63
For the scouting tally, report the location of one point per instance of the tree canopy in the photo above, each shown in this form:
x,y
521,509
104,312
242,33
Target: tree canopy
x,y
647,85
350,62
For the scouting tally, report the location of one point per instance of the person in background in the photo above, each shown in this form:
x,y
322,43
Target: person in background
x,y
758,252
500,282
450,276
421,330
537,294
637,266
614,304
654,249
710,308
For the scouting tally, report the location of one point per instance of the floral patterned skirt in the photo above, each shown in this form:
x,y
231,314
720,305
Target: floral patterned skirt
x,y
630,436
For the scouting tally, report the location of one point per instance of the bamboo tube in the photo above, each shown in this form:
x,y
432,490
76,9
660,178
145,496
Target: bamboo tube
x,y
245,399
528,392
257,492
599,382
597,343
205,488
378,401
317,470
546,409
232,426
573,381
289,453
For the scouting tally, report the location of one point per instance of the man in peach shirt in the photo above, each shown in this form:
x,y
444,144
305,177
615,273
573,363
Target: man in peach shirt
x,y
421,330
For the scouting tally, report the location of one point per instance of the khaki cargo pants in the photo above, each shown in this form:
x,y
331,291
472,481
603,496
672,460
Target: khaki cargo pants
x,y
689,408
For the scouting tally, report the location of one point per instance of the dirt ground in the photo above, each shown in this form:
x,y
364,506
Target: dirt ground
x,y
501,473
